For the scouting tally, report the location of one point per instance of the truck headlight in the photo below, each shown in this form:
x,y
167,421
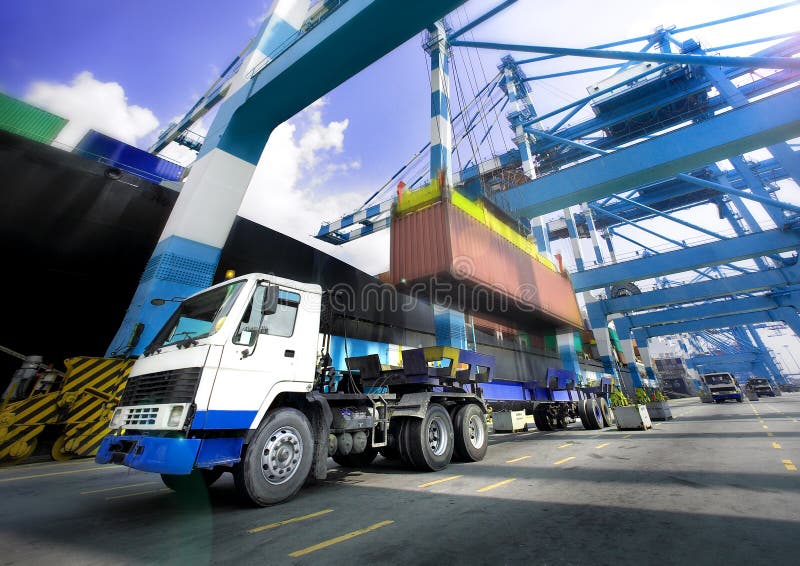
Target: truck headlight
x,y
116,420
175,415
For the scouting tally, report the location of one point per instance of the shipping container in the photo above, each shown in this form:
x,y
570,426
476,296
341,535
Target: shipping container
x,y
100,147
29,121
451,254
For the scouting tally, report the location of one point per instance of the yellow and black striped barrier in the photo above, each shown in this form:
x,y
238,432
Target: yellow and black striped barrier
x,y
78,412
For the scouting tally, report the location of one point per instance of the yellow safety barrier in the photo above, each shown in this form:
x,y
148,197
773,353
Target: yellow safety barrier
x,y
79,411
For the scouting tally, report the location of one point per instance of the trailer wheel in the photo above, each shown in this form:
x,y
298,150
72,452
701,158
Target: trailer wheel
x,y
594,417
540,417
430,440
471,433
278,460
361,460
605,410
392,451
582,413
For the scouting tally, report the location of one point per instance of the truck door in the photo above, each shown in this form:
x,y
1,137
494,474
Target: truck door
x,y
262,352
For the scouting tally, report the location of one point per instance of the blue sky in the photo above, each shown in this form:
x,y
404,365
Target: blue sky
x,y
146,62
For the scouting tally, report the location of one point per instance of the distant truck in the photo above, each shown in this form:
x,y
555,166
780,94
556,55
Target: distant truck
x,y
239,380
723,386
761,387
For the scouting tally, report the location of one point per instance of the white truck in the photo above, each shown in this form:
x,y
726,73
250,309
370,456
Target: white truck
x,y
723,386
238,380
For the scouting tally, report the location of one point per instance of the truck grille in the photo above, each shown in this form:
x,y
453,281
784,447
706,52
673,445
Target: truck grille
x,y
174,386
723,390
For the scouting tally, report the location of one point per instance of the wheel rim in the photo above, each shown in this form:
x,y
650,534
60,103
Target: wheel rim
x,y
475,431
282,455
437,435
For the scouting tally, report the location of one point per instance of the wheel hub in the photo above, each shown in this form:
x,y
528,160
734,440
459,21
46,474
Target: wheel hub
x,y
437,438
282,454
475,431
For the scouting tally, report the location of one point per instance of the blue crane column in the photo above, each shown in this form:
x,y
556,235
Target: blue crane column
x,y
450,324
186,257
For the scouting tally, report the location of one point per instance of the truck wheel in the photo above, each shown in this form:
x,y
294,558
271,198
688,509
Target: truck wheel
x,y
471,433
430,440
582,413
594,418
356,460
392,452
278,460
605,410
739,399
197,481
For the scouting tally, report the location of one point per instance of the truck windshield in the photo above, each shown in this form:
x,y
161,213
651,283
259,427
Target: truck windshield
x,y
198,316
718,379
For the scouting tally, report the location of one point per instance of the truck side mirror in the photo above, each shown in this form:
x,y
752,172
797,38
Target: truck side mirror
x,y
270,304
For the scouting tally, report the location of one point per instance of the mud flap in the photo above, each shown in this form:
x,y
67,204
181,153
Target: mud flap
x,y
321,427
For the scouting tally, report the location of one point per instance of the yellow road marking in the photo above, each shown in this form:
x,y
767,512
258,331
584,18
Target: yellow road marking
x,y
517,459
789,465
289,521
57,473
559,462
41,465
434,482
337,540
764,426
138,493
566,445
494,485
776,445
770,434
601,445
627,436
117,487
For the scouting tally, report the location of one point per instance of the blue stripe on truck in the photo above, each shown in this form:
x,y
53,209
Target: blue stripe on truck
x,y
223,420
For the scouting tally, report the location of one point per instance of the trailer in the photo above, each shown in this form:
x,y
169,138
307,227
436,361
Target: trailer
x,y
240,380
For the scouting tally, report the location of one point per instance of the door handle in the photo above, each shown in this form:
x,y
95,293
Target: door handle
x,y
288,353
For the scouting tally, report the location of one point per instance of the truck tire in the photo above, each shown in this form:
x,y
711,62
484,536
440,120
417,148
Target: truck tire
x,y
196,481
605,410
471,433
594,417
739,399
430,440
392,452
582,413
278,460
361,460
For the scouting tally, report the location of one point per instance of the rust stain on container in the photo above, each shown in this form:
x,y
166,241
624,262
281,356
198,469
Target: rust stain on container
x,y
444,243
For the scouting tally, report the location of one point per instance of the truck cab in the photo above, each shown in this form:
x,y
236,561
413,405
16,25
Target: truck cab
x,y
761,387
723,386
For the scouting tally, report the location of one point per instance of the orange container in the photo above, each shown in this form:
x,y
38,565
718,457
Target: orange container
x,y
446,255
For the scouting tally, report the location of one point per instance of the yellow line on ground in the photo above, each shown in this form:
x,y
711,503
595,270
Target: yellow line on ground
x,y
495,485
789,465
434,482
40,465
764,426
776,445
559,462
117,487
566,445
770,434
517,459
138,493
337,540
57,473
603,445
289,521
627,436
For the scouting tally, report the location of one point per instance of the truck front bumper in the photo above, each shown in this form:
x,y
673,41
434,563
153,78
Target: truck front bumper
x,y
164,455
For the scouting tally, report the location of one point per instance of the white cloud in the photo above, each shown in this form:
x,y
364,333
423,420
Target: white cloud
x,y
91,104
289,192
